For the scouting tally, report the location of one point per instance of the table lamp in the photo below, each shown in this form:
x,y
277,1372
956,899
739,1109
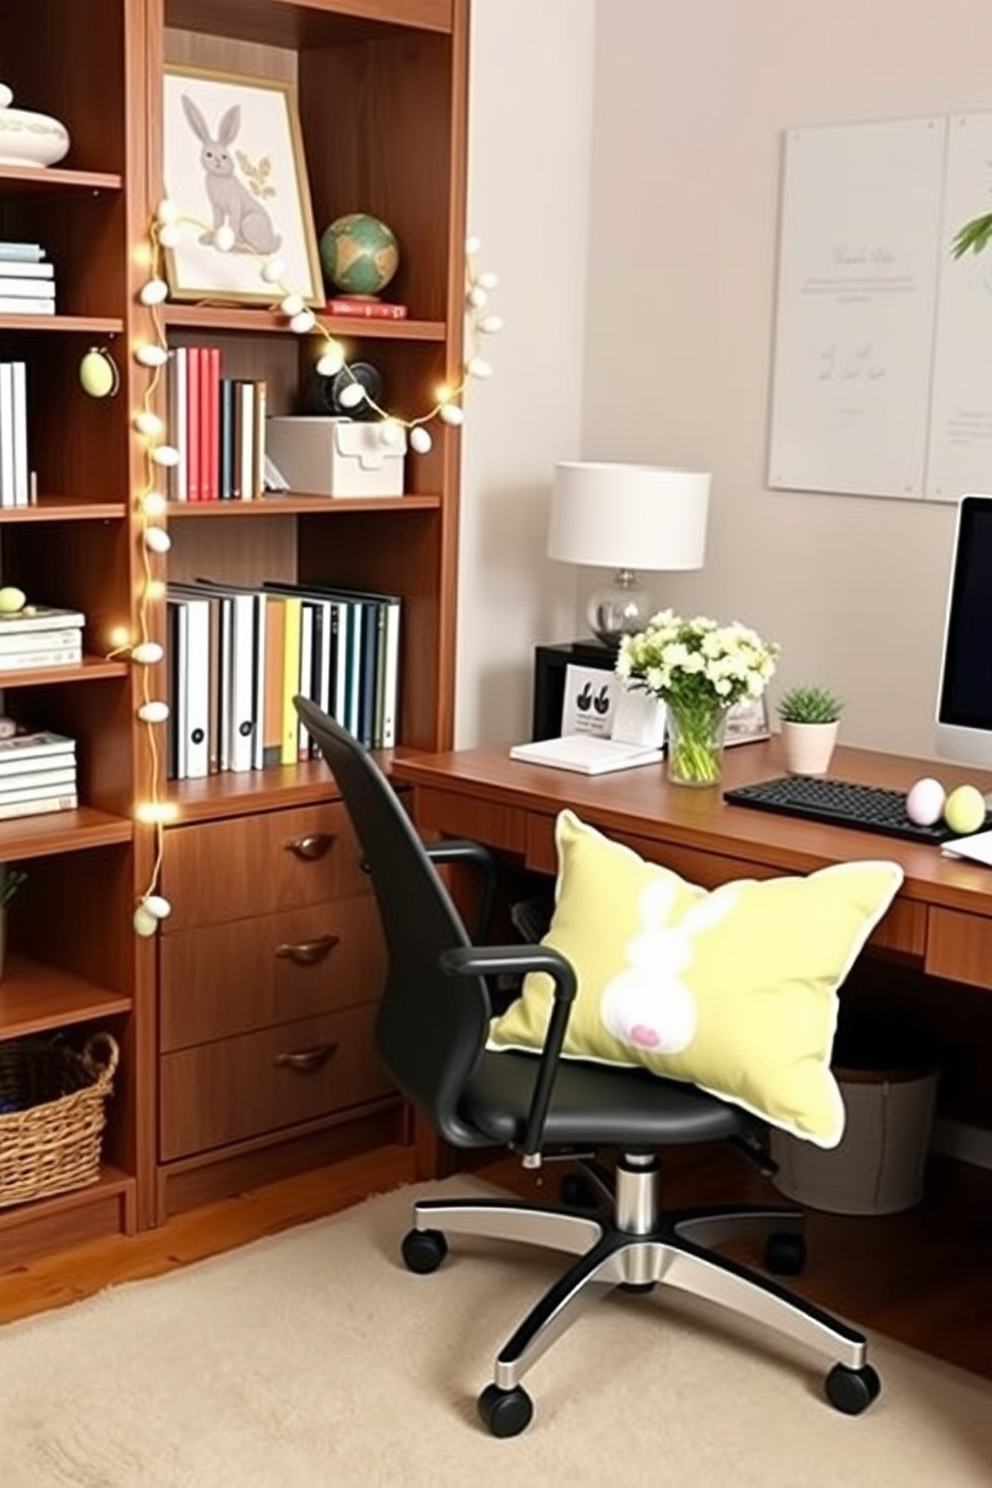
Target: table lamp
x,y
613,516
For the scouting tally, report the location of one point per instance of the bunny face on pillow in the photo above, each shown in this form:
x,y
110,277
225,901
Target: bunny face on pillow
x,y
733,989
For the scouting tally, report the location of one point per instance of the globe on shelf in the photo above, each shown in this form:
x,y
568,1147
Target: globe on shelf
x,y
359,254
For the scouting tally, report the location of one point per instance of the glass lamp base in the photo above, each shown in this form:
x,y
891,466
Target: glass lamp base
x,y
618,609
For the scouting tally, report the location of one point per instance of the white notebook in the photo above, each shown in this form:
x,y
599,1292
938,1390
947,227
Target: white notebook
x,y
977,847
586,754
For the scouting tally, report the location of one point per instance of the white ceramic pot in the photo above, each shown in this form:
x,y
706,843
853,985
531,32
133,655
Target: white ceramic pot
x,y
27,138
808,747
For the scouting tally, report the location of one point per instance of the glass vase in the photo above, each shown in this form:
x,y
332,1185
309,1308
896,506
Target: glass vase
x,y
695,742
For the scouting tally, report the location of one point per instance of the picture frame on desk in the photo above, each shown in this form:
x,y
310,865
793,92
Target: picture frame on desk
x,y
747,722
233,159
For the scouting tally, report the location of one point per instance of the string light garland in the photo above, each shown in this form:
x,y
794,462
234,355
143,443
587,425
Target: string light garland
x,y
160,457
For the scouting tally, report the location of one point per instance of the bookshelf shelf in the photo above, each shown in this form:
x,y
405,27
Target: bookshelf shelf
x,y
64,509
292,505
35,998
23,180
79,325
269,322
61,832
90,669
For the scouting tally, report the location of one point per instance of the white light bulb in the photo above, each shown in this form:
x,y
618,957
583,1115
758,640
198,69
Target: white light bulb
x,y
479,367
477,297
389,433
305,321
420,440
165,455
472,244
490,324
488,280
157,540
224,238
154,292
166,211
291,304
154,711
158,905
352,395
148,423
153,813
170,236
147,653
452,414
154,504
331,362
273,270
151,355
145,924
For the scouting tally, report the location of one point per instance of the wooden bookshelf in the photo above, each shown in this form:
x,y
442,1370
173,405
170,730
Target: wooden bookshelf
x,y
381,92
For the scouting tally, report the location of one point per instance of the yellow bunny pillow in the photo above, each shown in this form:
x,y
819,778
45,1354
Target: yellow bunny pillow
x,y
734,989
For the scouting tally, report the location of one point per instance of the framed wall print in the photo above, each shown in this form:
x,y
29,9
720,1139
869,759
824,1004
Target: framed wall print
x,y
234,168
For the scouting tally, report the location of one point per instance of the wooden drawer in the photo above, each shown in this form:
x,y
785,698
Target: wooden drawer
x,y
242,1087
959,947
220,980
249,865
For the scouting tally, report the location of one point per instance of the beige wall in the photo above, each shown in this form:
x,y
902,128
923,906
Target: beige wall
x,y
689,100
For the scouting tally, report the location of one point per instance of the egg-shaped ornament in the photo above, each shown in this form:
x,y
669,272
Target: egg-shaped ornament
x,y
925,802
98,374
12,600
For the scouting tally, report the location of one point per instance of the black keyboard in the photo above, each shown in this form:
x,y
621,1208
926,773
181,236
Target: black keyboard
x,y
872,808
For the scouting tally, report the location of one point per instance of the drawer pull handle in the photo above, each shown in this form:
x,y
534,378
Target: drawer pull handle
x,y
308,952
311,847
305,1061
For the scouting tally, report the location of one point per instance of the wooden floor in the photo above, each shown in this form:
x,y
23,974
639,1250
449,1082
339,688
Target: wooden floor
x,y
923,1277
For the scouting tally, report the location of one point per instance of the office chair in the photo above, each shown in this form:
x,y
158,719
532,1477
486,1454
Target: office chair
x,y
431,1036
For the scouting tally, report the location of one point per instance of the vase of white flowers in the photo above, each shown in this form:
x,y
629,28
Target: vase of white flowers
x,y
699,669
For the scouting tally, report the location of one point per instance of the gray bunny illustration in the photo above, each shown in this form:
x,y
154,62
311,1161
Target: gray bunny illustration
x,y
230,201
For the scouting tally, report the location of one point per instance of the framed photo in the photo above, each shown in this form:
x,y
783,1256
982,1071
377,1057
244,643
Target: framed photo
x,y
234,162
590,701
747,722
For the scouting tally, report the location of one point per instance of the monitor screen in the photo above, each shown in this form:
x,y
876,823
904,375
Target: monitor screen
x,y
964,698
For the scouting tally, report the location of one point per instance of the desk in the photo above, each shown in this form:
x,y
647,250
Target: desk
x,y
941,919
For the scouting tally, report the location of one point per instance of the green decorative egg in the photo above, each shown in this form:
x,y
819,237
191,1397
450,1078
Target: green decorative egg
x,y
359,254
11,600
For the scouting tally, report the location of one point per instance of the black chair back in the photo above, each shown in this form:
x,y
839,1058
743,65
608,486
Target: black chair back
x,y
432,1026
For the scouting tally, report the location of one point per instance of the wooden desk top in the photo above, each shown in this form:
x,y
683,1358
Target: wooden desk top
x,y
941,917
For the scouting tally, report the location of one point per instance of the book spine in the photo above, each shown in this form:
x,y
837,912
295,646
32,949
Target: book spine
x,y
6,434
193,492
291,681
21,476
366,309
178,364
65,801
24,269
14,770
25,305
210,479
38,783
40,619
15,288
40,640
20,252
13,661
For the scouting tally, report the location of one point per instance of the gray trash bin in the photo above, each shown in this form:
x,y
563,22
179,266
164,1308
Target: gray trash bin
x,y
879,1165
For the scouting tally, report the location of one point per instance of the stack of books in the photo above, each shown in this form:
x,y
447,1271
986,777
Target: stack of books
x,y
27,280
41,636
37,774
358,308
217,424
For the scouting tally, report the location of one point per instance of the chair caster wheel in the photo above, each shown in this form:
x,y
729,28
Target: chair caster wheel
x,y
423,1250
852,1390
785,1254
505,1412
578,1193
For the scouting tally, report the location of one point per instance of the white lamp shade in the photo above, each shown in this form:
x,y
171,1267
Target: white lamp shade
x,y
628,516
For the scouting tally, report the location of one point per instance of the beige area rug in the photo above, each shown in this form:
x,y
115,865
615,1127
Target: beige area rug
x,y
315,1360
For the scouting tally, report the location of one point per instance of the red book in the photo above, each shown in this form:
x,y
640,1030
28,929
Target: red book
x,y
369,309
193,492
210,436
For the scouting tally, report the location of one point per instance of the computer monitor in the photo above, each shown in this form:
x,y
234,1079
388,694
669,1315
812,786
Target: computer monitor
x,y
964,697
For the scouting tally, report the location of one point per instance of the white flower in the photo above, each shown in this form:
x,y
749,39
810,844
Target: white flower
x,y
696,663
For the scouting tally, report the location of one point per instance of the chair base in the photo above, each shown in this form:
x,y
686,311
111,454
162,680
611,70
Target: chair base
x,y
637,1247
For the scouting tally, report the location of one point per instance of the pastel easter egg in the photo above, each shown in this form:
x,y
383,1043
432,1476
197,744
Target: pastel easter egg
x,y
98,374
925,802
11,600
964,810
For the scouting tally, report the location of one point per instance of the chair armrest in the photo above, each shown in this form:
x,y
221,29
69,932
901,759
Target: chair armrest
x,y
486,960
463,850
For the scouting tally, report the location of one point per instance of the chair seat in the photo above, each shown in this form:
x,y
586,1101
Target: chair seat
x,y
595,1105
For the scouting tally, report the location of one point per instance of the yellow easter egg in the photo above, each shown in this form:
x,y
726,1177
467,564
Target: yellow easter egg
x,y
964,809
11,600
98,374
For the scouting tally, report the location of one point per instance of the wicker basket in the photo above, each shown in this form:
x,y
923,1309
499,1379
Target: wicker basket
x,y
51,1143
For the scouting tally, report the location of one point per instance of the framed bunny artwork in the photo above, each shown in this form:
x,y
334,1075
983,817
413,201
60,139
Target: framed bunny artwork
x,y
234,170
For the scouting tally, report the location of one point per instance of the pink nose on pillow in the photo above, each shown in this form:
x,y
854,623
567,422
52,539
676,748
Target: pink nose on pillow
x,y
647,1038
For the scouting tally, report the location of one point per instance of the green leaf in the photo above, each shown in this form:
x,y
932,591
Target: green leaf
x,y
973,237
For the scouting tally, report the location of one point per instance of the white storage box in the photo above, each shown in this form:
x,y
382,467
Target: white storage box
x,y
327,456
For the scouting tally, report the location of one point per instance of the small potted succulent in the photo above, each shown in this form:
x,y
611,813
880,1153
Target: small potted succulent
x,y
810,718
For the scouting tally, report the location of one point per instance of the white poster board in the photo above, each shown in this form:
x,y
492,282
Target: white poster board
x,y
860,238
960,455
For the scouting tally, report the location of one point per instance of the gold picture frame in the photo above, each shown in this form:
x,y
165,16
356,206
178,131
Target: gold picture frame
x,y
233,160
